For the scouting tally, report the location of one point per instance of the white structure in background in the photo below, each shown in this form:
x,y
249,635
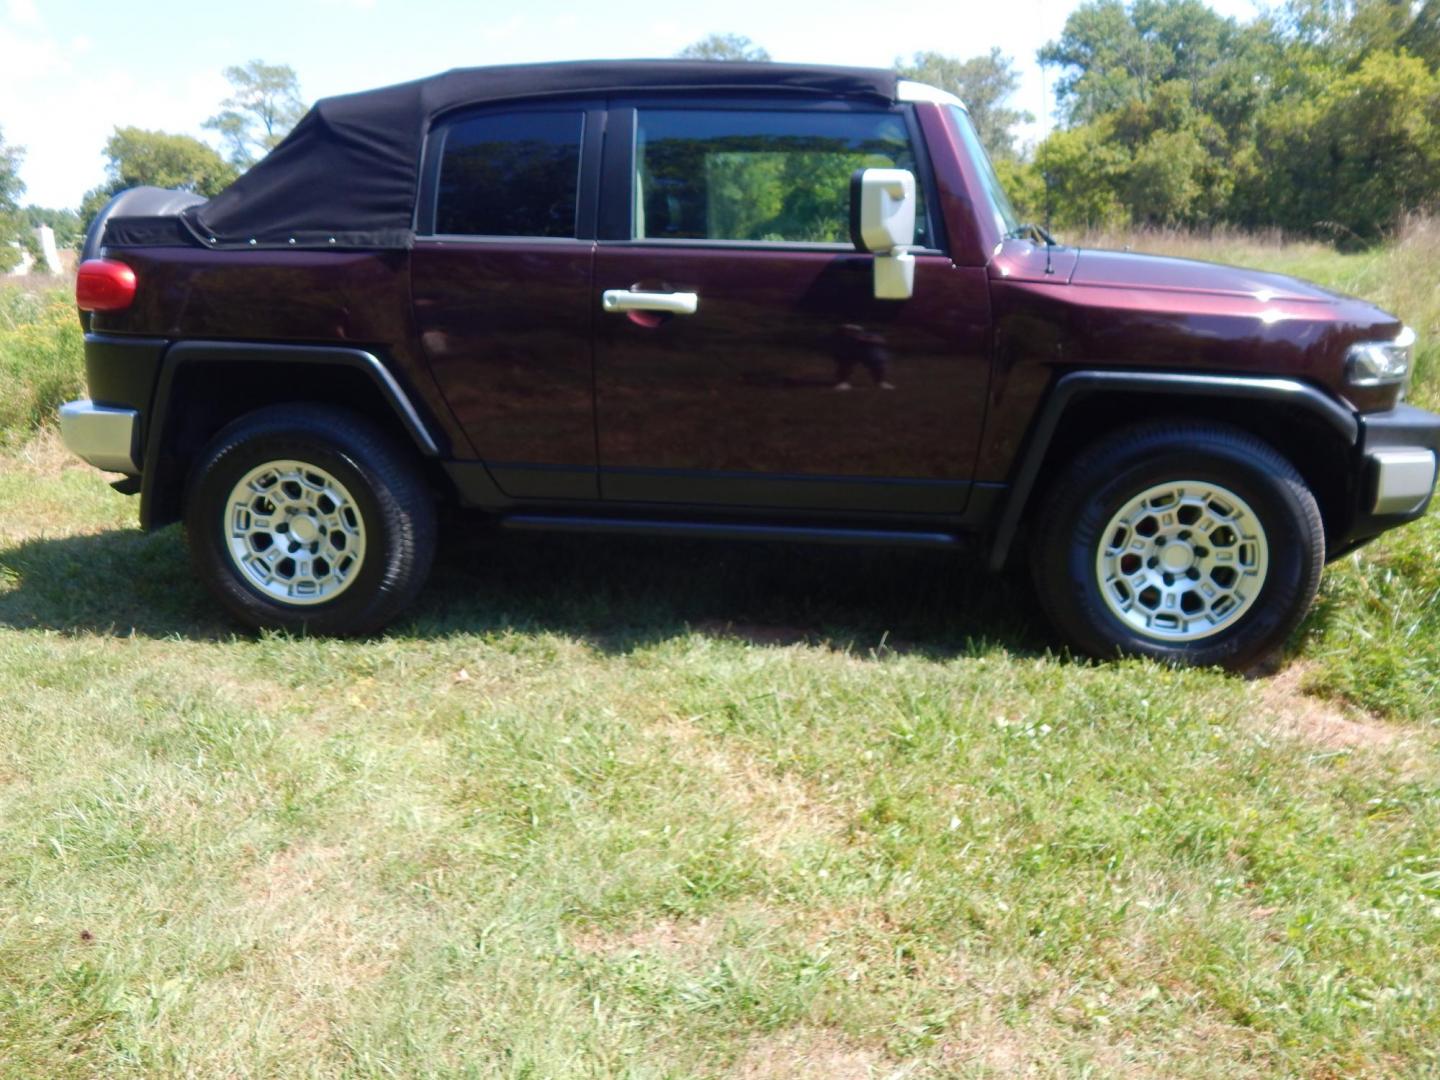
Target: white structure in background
x,y
49,255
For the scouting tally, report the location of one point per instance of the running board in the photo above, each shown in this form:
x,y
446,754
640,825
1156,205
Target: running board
x,y
724,530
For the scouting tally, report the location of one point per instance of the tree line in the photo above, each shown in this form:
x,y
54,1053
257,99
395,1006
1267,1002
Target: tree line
x,y
1319,117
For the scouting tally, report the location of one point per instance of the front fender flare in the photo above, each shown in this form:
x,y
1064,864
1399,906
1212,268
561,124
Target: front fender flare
x,y
1077,385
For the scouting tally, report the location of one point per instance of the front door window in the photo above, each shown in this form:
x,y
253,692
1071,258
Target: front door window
x,y
759,176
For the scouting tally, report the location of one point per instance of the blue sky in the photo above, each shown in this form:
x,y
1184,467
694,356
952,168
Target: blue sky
x,y
72,70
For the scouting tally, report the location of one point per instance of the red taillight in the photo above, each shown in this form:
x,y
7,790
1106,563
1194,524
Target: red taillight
x,y
104,285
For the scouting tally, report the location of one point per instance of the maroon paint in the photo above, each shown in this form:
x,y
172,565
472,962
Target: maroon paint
x,y
969,239
753,382
347,298
1121,310
506,327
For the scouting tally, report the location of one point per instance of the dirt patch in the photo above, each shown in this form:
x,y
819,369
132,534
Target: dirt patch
x,y
315,930
1299,715
810,1054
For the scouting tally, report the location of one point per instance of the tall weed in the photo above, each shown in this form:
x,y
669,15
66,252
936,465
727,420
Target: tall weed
x,y
42,362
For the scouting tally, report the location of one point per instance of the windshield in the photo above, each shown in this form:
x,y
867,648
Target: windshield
x,y
1000,206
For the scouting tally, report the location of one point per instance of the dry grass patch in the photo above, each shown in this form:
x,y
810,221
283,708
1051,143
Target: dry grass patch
x,y
1328,724
45,456
780,810
811,1054
682,939
313,948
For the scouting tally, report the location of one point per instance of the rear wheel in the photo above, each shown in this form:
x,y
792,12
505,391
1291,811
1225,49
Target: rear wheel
x,y
1187,542
310,518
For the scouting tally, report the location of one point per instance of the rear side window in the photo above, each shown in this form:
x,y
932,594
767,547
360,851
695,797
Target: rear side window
x,y
512,174
759,176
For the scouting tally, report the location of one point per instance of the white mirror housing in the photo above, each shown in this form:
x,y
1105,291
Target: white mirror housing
x,y
882,209
895,276
882,221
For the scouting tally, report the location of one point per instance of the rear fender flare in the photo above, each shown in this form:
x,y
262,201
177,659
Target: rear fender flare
x,y
183,354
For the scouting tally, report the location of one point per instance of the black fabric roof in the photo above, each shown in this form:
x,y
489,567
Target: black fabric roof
x,y
348,174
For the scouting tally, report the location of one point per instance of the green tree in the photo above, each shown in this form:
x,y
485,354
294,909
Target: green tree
x,y
1111,55
265,105
138,157
1086,166
724,47
985,83
1422,37
1321,116
12,225
1354,158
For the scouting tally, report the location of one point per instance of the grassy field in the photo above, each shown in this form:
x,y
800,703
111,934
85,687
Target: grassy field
x,y
623,809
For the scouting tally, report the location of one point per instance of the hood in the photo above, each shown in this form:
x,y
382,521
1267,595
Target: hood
x,y
1158,273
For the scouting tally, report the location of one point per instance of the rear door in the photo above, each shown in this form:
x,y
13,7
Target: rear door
x,y
789,385
500,277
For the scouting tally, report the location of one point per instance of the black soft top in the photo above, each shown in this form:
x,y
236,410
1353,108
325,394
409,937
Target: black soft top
x,y
347,175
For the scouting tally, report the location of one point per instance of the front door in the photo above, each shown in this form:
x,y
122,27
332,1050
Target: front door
x,y
789,385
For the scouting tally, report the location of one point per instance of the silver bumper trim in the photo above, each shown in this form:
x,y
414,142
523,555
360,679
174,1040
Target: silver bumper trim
x,y
103,436
1404,478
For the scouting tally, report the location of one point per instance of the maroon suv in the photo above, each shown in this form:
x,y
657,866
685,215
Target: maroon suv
x,y
730,300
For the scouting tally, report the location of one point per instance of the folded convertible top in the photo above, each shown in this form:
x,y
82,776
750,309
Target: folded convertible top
x,y
347,175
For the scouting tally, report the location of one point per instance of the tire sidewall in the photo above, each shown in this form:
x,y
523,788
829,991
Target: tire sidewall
x,y
1085,515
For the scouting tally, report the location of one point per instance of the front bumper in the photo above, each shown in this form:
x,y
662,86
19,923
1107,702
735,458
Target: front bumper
x,y
1399,450
106,437
1402,480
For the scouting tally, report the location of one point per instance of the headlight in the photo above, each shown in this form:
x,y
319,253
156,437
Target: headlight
x,y
1380,363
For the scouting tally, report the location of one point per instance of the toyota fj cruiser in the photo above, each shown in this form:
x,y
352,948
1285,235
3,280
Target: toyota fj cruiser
x,y
730,300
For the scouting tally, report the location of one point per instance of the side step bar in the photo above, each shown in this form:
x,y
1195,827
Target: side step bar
x,y
724,530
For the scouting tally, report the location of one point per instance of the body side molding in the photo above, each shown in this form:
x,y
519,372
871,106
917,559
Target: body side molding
x,y
725,530
1076,385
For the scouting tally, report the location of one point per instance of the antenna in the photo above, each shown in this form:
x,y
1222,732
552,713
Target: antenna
x,y
1045,175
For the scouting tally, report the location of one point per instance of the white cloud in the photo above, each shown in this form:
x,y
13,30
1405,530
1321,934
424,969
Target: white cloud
x,y
23,13
63,112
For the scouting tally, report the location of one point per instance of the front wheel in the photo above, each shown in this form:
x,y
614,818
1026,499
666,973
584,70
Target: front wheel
x,y
310,518
1192,543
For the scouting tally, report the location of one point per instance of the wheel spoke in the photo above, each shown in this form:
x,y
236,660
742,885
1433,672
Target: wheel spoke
x,y
1181,561
295,532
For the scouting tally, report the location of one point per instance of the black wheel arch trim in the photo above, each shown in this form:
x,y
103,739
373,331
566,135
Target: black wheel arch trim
x,y
183,353
1076,385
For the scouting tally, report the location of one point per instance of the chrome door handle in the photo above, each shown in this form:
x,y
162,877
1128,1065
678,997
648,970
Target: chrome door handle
x,y
671,303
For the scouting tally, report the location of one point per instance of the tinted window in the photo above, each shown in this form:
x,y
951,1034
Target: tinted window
x,y
510,175
715,175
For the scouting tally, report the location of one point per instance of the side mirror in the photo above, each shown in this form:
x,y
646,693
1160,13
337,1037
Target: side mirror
x,y
882,221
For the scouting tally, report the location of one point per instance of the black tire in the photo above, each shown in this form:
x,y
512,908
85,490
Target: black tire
x,y
1103,480
392,503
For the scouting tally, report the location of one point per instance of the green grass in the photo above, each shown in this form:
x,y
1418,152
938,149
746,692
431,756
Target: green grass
x,y
610,808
